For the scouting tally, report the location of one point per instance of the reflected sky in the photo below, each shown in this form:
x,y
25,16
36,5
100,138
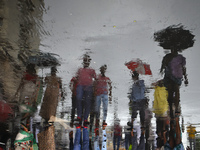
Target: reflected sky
x,y
114,32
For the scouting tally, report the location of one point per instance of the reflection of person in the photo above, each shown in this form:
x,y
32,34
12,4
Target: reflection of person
x,y
127,131
71,143
174,66
84,89
191,130
138,98
101,93
51,95
73,86
28,91
117,135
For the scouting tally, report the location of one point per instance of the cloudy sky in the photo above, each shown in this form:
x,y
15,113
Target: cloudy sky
x,y
116,31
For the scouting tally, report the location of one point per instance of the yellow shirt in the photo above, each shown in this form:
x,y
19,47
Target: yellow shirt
x,y
191,131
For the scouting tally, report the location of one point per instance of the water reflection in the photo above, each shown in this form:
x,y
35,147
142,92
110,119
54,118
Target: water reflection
x,y
52,95
30,111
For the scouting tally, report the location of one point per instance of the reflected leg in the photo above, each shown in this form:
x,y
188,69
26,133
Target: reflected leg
x,y
118,142
142,112
85,139
171,134
92,111
105,106
170,99
104,139
177,98
178,131
77,140
96,143
134,140
127,140
97,106
79,96
88,100
134,111
141,146
73,108
114,142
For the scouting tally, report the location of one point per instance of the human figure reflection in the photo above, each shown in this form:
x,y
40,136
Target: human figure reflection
x,y
127,131
138,99
84,90
52,95
161,109
101,87
191,130
117,134
27,92
174,66
84,95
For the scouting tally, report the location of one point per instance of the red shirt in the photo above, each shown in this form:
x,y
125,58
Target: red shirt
x,y
101,85
117,130
85,76
30,77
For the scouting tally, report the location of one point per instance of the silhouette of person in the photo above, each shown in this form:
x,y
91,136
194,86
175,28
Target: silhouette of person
x,y
84,90
174,66
117,134
27,91
138,98
102,87
51,95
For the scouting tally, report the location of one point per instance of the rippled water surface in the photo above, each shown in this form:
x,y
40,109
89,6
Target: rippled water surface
x,y
60,33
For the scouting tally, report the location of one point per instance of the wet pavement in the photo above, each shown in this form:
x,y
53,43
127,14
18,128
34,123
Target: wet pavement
x,y
101,47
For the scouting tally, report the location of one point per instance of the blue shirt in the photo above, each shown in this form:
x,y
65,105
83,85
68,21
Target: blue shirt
x,y
138,90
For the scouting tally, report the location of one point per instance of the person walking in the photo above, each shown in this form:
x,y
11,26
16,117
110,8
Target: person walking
x,y
102,86
191,130
51,96
127,131
138,98
117,134
27,92
173,65
84,90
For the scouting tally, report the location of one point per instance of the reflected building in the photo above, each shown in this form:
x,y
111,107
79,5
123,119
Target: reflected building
x,y
19,36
